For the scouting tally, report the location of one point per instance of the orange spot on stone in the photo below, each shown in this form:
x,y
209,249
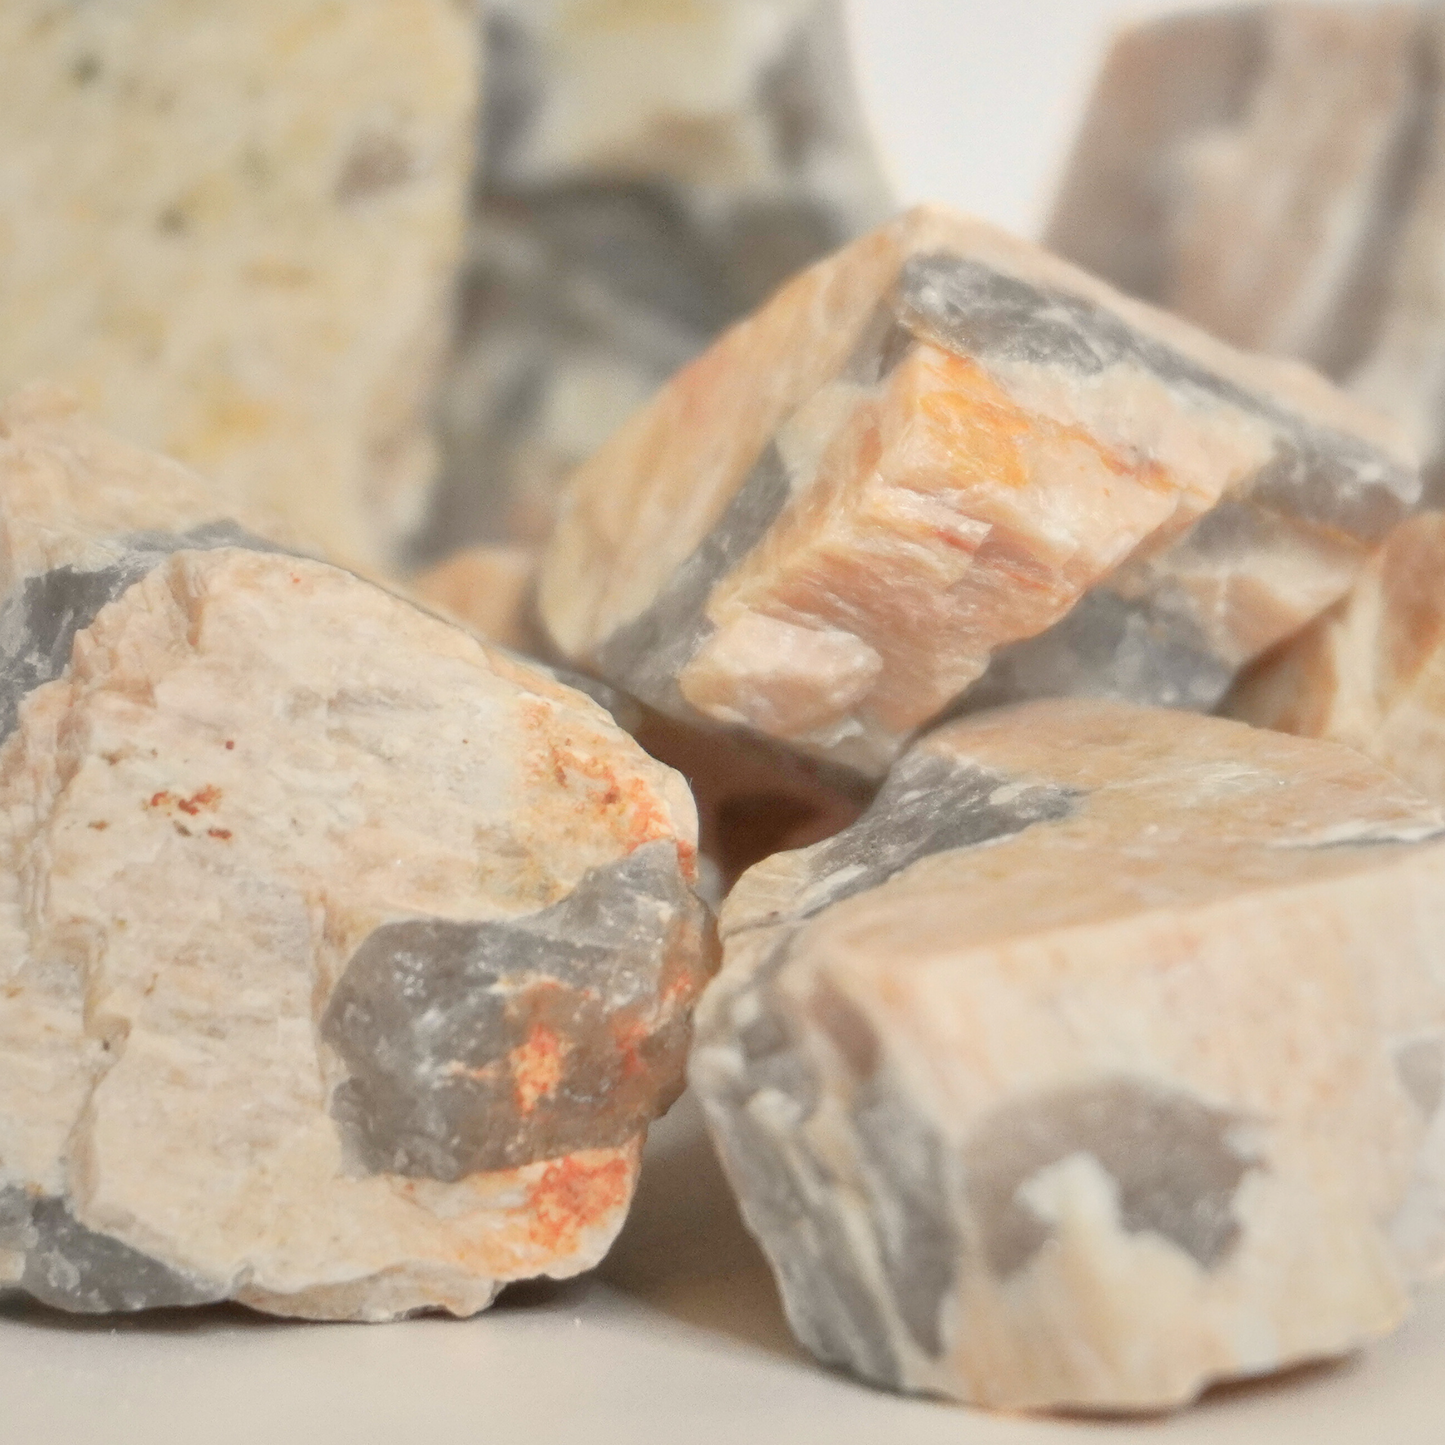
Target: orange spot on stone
x,y
100,825
572,1196
537,1067
208,797
224,834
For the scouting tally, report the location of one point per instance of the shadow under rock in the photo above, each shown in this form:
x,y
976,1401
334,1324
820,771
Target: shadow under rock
x,y
684,1249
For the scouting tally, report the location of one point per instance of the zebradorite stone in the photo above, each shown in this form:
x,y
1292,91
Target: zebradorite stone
x,y
1099,1060
944,468
347,959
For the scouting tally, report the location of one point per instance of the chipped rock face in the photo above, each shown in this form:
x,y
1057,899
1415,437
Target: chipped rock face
x,y
347,959
1371,671
1100,1060
944,464
273,194
649,174
1276,174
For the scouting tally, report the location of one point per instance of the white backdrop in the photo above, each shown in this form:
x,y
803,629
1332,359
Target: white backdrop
x,y
974,102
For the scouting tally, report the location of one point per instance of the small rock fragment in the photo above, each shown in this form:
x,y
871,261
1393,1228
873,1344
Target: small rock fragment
x,y
1276,174
234,230
649,174
1371,672
944,463
347,960
1098,1061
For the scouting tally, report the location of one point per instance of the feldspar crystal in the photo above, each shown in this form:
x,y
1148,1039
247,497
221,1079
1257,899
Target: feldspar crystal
x,y
875,495
1371,671
347,960
1276,173
649,174
1099,1060
233,229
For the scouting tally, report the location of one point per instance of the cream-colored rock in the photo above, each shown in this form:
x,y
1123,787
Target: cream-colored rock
x,y
650,173
1371,671
234,230
1100,1060
874,495
346,960
1276,173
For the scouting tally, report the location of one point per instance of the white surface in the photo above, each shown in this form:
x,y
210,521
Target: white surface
x,y
680,1338
678,1341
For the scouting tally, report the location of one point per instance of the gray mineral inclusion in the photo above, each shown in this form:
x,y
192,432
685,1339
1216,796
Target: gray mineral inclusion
x,y
70,1267
428,1014
1175,1159
41,616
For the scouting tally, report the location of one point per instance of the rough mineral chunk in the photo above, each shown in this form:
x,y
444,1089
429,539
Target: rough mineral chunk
x,y
1371,671
234,229
650,173
346,960
1101,1059
930,447
1276,173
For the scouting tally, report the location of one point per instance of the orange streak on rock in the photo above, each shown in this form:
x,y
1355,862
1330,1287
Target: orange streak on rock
x,y
572,1196
537,1066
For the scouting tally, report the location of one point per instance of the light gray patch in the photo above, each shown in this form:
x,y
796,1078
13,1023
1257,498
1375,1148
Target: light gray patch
x,y
70,1267
1108,647
930,804
1421,1066
881,348
378,161
647,655
1173,1158
1317,475
911,1211
41,616
433,1020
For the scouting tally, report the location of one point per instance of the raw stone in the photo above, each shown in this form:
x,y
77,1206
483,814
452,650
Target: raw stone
x,y
1276,174
649,174
945,463
234,231
1371,672
489,589
1100,1060
346,961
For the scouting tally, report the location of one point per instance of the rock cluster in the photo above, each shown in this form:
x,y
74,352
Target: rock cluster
x,y
1071,1048
347,960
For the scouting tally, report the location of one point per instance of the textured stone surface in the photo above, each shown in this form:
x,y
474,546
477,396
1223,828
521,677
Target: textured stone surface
x,y
346,960
875,495
1099,1060
1371,671
1276,173
649,174
234,231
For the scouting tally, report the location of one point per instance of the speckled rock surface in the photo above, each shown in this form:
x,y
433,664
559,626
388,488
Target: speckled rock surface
x,y
234,231
1100,1060
649,174
1371,672
877,493
346,960
1276,173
